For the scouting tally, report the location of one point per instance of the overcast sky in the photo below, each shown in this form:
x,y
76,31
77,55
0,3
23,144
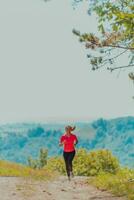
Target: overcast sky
x,y
44,72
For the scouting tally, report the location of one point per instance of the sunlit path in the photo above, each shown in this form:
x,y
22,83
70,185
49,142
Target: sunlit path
x,y
12,188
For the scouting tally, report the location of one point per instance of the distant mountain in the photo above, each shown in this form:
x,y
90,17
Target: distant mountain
x,y
116,135
19,141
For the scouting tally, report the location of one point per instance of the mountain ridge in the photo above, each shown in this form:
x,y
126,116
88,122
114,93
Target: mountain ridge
x,y
20,140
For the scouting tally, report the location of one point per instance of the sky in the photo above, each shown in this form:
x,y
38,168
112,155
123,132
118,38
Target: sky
x,y
44,73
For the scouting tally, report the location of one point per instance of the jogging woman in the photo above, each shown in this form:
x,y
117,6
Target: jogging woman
x,y
68,140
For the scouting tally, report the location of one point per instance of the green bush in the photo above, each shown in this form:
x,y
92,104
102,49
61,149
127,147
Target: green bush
x,y
40,162
120,184
56,164
92,163
87,163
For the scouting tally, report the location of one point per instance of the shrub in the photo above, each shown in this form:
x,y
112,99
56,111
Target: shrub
x,y
40,162
92,163
87,163
121,183
56,164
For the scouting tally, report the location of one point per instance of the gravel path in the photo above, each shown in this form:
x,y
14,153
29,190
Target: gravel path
x,y
12,188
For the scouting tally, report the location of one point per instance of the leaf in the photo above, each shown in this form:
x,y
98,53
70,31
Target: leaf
x,y
115,27
101,28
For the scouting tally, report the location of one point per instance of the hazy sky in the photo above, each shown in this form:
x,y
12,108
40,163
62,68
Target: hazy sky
x,y
44,72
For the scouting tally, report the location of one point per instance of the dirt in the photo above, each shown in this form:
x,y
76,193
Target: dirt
x,y
12,188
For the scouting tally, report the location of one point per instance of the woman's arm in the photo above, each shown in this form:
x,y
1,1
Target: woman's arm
x,y
62,141
76,140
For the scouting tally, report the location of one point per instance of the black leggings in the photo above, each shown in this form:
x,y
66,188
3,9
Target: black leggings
x,y
68,157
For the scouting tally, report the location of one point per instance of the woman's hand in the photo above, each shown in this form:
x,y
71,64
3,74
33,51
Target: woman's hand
x,y
61,143
75,142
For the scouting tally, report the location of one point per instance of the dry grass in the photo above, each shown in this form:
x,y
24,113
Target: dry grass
x,y
120,184
17,170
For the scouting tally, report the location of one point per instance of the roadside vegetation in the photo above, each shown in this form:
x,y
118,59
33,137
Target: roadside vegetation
x,y
120,184
8,169
102,168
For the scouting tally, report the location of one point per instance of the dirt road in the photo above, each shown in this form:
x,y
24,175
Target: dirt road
x,y
12,188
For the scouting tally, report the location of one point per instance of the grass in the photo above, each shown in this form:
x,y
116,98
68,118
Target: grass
x,y
29,178
120,184
12,169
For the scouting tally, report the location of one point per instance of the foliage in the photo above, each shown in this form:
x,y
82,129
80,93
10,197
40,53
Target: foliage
x,y
17,170
38,131
87,163
92,163
40,162
121,183
116,25
56,164
116,135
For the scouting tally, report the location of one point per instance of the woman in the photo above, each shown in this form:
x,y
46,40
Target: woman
x,y
68,140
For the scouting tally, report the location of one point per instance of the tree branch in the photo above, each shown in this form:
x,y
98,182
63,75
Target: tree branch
x,y
116,56
108,45
120,67
117,46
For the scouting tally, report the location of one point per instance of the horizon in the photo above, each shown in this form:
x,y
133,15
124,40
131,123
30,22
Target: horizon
x,y
64,121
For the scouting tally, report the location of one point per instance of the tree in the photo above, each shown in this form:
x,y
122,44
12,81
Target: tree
x,y
116,25
40,162
43,157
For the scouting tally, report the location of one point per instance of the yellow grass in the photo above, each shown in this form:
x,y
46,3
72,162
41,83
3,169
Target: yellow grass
x,y
120,184
17,170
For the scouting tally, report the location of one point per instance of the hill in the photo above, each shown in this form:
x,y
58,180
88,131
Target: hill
x,y
18,141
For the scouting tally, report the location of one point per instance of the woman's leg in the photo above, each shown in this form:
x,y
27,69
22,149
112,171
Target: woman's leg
x,y
70,160
66,159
